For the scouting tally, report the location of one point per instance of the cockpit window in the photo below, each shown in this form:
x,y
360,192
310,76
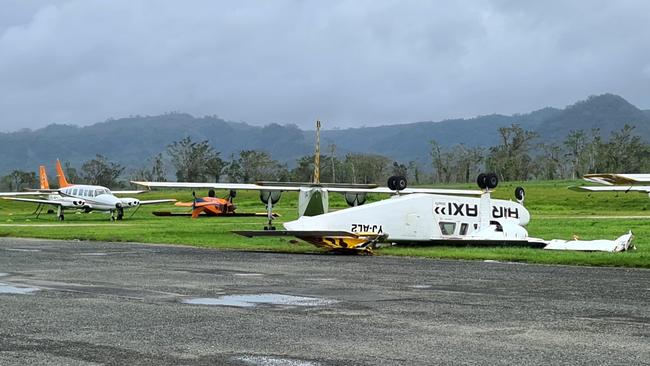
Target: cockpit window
x,y
463,228
447,228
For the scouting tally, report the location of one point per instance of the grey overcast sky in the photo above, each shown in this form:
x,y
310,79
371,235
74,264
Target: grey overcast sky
x,y
349,63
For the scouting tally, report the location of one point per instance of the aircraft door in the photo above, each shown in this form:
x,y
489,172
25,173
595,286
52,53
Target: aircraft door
x,y
411,227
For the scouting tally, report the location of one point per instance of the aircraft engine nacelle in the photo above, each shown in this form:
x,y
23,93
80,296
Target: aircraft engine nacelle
x,y
130,202
273,196
355,199
75,203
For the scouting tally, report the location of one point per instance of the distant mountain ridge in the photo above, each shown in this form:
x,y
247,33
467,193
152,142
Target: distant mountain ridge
x,y
131,141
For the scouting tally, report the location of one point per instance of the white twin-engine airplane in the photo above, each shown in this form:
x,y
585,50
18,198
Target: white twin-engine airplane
x,y
431,218
79,196
616,183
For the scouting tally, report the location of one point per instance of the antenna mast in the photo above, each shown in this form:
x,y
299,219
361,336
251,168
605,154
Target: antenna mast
x,y
317,155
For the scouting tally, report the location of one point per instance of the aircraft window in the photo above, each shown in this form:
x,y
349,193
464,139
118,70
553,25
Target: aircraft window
x,y
498,225
463,228
107,191
75,191
98,192
85,192
447,228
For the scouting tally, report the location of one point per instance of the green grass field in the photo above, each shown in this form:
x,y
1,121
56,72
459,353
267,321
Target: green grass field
x,y
556,212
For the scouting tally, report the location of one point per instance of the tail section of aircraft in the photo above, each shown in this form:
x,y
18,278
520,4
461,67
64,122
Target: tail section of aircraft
x,y
61,177
43,177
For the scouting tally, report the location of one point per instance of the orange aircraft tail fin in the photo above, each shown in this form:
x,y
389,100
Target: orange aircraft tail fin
x,y
42,177
61,177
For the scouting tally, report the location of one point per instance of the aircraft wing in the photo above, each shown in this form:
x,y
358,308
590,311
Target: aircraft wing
x,y
33,200
614,179
155,202
229,186
611,188
326,239
14,194
266,186
128,192
468,192
296,233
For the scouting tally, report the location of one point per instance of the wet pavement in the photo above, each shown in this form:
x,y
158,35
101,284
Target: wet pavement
x,y
86,303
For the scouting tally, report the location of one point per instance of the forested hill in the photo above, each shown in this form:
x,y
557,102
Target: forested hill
x,y
131,141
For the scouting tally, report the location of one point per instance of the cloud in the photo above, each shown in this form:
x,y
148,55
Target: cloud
x,y
345,62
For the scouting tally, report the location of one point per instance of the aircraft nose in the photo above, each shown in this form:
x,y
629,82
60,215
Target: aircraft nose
x,y
524,219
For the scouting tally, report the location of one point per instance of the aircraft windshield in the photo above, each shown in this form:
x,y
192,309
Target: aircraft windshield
x,y
102,191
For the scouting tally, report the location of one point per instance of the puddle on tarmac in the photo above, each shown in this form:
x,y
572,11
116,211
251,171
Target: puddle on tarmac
x,y
7,289
249,301
273,361
420,286
93,254
22,250
2,274
248,274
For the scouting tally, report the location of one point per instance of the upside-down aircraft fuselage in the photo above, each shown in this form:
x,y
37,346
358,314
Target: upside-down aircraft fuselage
x,y
420,218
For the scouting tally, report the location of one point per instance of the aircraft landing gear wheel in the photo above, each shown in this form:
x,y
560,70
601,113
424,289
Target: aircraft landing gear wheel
x,y
269,228
60,217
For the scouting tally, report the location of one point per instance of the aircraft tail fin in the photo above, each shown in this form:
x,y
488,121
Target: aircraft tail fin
x,y
42,177
61,177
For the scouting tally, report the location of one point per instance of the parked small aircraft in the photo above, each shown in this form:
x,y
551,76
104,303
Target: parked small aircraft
x,y
79,196
209,206
616,183
431,219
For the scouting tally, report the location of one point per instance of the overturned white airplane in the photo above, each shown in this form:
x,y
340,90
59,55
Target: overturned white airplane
x,y
424,218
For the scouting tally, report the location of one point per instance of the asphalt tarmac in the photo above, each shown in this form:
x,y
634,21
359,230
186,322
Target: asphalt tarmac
x,y
88,303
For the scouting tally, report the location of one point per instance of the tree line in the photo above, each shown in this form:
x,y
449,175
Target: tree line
x,y
517,156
